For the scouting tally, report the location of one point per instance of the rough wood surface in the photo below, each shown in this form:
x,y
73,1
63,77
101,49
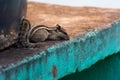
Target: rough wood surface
x,y
76,20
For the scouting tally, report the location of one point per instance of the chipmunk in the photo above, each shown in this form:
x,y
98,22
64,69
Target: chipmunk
x,y
42,33
29,36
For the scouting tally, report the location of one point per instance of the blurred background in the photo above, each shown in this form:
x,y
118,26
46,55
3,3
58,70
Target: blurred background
x,y
92,3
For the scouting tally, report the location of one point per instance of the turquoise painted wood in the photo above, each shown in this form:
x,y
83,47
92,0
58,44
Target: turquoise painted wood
x,y
64,59
107,69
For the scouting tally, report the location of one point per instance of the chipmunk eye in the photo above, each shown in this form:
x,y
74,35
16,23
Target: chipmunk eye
x,y
65,33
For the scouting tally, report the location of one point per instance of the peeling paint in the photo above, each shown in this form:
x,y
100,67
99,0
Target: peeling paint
x,y
54,72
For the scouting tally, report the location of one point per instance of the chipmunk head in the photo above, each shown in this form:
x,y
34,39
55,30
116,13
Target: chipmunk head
x,y
61,33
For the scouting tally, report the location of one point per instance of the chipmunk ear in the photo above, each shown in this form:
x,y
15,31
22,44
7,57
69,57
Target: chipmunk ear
x,y
58,26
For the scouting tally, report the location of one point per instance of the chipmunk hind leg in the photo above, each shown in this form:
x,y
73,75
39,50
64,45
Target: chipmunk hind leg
x,y
39,36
